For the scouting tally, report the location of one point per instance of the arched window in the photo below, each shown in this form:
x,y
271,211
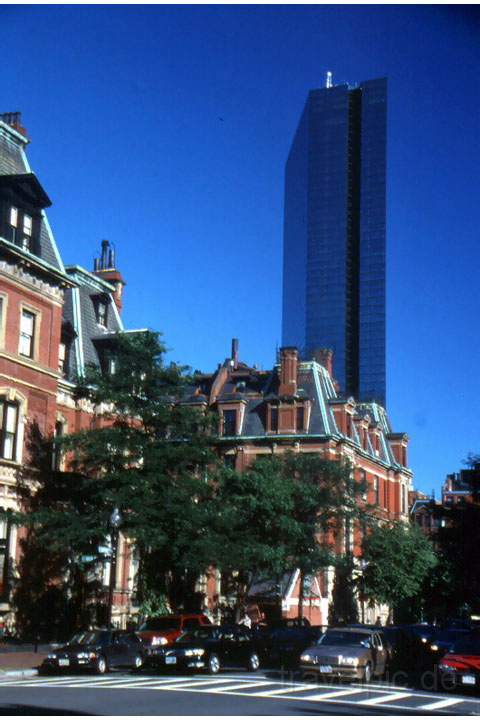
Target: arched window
x,y
8,428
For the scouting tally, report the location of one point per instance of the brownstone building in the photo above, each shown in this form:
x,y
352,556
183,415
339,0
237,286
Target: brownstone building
x,y
297,406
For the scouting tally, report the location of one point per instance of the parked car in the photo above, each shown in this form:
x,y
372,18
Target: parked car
x,y
97,650
461,666
208,648
282,645
444,640
407,650
167,628
423,631
347,653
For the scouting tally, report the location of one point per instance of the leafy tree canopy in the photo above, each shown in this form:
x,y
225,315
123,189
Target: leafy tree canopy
x,y
398,558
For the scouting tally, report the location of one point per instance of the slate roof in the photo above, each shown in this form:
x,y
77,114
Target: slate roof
x,y
13,161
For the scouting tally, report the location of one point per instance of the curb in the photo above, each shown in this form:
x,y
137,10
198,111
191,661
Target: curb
x,y
31,672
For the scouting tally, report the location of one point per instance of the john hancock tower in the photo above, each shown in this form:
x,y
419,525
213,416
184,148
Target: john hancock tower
x,y
334,234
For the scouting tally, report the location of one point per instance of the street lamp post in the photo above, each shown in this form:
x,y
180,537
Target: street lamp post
x,y
363,565
115,522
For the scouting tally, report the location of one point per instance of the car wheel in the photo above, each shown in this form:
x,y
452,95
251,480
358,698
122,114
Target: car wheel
x,y
101,666
213,664
367,673
253,662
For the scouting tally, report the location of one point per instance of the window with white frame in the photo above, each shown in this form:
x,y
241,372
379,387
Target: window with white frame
x,y
13,216
27,333
27,232
102,313
8,428
62,355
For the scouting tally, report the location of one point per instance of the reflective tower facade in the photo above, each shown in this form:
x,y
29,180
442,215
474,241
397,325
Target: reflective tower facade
x,y
334,234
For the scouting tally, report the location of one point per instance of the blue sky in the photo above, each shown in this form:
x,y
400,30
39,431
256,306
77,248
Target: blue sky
x,y
166,128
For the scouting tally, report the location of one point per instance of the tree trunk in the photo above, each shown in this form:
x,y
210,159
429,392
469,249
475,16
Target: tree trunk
x,y
301,595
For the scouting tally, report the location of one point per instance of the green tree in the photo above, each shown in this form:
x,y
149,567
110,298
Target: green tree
x,y
147,454
398,559
283,513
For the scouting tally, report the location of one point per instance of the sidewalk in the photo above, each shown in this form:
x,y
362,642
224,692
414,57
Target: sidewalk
x,y
20,663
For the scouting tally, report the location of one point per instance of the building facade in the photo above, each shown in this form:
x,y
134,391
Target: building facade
x,y
334,234
54,319
296,406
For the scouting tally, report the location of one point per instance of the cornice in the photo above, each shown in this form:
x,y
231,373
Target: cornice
x,y
17,274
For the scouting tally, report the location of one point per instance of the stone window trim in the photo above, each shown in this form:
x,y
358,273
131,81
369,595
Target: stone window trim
x,y
25,307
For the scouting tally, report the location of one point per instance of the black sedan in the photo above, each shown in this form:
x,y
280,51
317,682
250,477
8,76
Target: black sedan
x,y
282,646
208,648
97,650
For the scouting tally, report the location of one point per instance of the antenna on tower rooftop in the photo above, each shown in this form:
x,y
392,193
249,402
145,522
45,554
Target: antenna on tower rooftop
x,y
329,80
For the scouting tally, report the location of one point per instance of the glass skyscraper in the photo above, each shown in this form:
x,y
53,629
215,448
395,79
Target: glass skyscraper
x,y
334,234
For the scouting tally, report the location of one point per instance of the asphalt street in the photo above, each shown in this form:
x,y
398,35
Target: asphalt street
x,y
229,693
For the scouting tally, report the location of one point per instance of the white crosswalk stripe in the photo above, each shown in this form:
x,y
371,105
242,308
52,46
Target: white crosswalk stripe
x,y
331,695
390,697
259,686
441,704
243,686
286,689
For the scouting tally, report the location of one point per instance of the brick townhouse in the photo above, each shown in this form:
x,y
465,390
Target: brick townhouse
x,y
54,319
297,406
458,490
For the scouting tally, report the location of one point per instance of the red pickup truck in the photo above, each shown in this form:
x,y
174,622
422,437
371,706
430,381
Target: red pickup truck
x,y
167,628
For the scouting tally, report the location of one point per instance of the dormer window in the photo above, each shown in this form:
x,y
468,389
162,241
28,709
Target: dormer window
x,y
300,418
27,232
62,356
274,419
13,216
102,313
229,422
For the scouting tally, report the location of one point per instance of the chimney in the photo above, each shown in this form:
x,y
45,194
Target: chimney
x,y
235,352
288,371
14,119
104,268
324,356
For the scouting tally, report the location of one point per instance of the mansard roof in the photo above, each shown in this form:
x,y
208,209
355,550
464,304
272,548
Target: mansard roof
x,y
14,163
80,311
258,388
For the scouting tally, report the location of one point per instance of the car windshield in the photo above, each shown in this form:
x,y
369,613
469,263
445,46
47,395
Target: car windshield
x,y
89,637
337,637
201,633
162,623
467,646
